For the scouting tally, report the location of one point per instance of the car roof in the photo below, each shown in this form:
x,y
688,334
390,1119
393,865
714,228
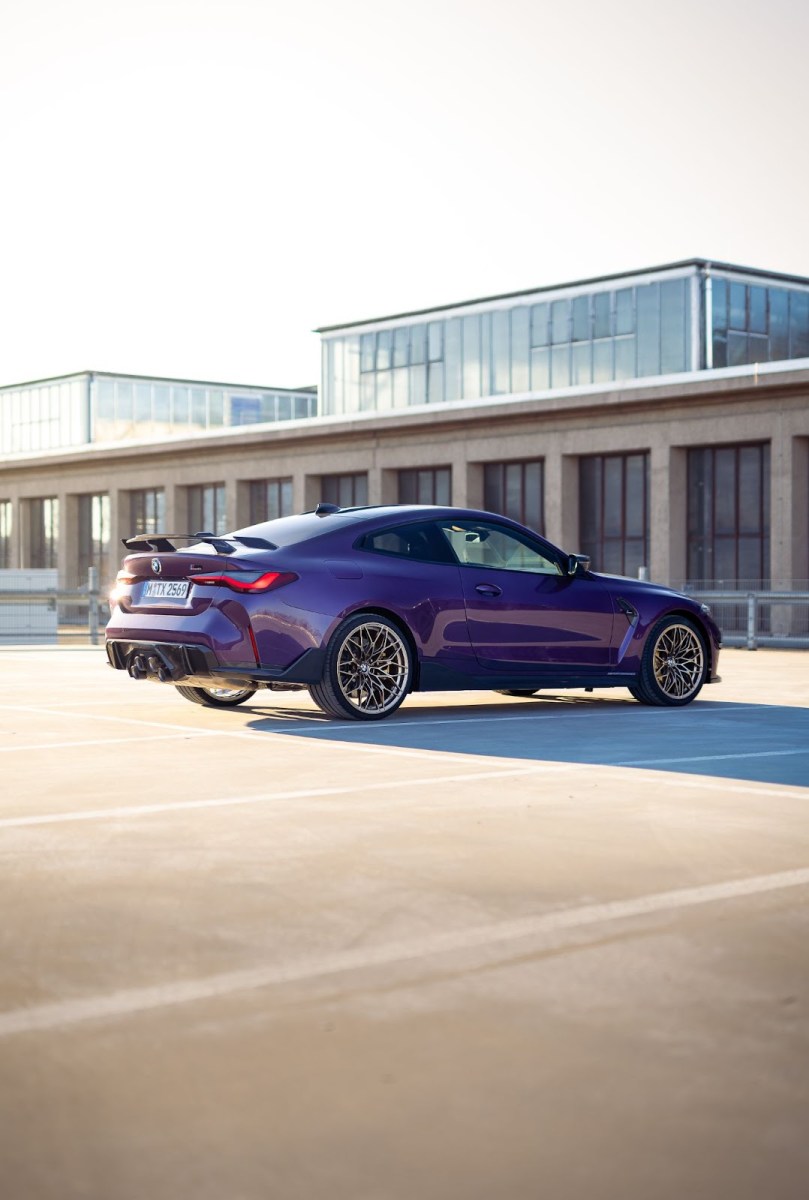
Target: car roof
x,y
288,531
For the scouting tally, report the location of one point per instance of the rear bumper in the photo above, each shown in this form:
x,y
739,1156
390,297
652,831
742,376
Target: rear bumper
x,y
197,666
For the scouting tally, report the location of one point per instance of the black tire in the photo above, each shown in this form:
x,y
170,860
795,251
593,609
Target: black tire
x,y
368,669
674,664
216,697
524,693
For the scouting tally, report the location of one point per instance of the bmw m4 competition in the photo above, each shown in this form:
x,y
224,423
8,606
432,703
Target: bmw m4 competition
x,y
364,605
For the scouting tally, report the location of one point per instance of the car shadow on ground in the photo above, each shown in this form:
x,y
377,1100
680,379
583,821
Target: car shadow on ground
x,y
754,742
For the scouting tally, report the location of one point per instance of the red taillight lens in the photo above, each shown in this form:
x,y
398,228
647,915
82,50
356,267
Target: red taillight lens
x,y
263,583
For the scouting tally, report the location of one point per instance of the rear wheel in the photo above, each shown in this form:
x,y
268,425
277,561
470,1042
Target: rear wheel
x,y
673,666
368,669
525,693
217,697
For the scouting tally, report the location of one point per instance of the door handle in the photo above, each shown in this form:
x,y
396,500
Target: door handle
x,y
487,589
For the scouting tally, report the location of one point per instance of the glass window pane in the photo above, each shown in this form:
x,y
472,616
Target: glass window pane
x,y
435,383
625,358
674,326
400,346
758,310
539,325
582,367
624,318
738,306
418,343
384,342
725,476
602,361
532,513
560,321
648,322
501,352
737,349
435,340
367,352
540,370
520,350
799,325
443,486
471,357
560,366
581,318
602,323
384,391
750,489
493,487
779,324
636,495
719,304
399,376
418,385
452,359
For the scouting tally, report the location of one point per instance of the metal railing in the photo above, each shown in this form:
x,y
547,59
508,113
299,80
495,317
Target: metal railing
x,y
758,617
53,616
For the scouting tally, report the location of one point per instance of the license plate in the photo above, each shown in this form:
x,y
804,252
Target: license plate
x,y
166,589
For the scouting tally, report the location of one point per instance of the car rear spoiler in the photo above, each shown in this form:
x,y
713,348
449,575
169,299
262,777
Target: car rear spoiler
x,y
164,542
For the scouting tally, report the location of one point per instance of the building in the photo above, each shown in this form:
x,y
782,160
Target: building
x,y
656,419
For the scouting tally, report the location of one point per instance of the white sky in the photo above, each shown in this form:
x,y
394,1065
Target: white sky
x,y
189,187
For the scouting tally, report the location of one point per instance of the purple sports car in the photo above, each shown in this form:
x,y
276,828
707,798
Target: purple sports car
x,y
363,605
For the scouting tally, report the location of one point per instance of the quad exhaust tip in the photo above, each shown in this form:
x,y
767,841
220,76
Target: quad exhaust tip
x,y
142,667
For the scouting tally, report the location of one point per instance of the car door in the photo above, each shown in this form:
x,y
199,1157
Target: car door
x,y
523,610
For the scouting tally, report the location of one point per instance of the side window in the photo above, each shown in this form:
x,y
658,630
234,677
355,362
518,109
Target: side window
x,y
422,541
480,544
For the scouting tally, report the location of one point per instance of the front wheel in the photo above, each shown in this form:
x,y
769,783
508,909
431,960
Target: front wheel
x,y
673,666
216,697
368,669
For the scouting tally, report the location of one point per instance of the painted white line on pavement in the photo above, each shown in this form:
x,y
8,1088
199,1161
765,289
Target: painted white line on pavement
x,y
125,812
128,1002
146,737
652,762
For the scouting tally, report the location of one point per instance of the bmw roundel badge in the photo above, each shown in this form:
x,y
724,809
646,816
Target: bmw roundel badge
x,y
156,566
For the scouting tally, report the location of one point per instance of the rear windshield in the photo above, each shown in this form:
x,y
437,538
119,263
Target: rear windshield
x,y
288,531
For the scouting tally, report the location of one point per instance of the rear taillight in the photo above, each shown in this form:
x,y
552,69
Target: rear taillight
x,y
246,583
121,587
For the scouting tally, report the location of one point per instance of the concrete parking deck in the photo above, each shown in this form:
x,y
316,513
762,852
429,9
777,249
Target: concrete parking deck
x,y
486,948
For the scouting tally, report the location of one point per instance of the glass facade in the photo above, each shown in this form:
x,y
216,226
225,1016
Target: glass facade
x,y
754,323
94,537
147,511
270,498
533,345
429,485
95,408
729,515
614,511
632,327
516,489
42,526
44,416
6,518
346,490
206,509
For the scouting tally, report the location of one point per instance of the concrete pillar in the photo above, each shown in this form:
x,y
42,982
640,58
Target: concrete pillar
x,y
569,536
667,514
552,473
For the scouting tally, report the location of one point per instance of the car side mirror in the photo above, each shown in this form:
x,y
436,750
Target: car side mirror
x,y
578,564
